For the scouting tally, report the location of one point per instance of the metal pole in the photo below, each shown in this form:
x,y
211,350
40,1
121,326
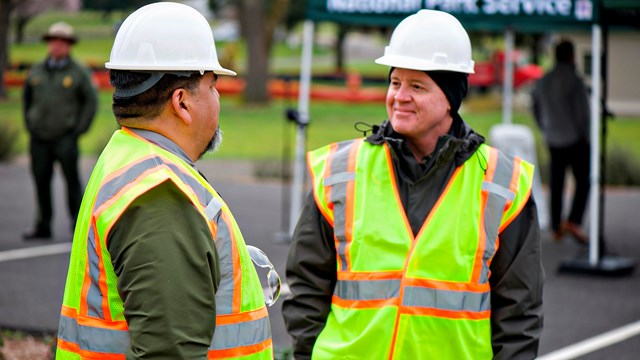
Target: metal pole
x,y
594,223
507,77
303,111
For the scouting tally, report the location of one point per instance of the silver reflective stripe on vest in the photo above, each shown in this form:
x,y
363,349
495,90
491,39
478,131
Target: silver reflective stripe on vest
x,y
367,289
113,186
93,338
340,167
94,296
224,295
342,177
446,299
499,193
414,296
242,334
213,208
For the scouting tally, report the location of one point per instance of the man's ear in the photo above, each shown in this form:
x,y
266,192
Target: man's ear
x,y
180,102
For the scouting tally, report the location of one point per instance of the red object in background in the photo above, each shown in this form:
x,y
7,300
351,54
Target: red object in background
x,y
490,73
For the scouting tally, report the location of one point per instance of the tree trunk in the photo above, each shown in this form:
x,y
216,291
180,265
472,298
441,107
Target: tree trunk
x,y
5,9
21,24
258,26
342,35
253,26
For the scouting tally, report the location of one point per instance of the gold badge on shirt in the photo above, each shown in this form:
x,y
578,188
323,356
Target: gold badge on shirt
x,y
67,81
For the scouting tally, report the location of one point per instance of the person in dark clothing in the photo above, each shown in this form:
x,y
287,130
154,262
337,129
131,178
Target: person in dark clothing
x,y
418,241
561,109
59,102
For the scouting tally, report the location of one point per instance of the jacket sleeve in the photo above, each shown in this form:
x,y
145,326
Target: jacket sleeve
x,y
516,288
27,98
536,111
311,276
88,104
168,273
581,108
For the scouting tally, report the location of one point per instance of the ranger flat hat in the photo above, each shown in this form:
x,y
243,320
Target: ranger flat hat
x,y
60,30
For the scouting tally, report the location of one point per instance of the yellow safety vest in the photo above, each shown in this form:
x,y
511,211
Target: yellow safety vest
x,y
400,296
92,322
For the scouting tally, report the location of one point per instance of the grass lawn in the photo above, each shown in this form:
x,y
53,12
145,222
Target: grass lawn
x,y
261,132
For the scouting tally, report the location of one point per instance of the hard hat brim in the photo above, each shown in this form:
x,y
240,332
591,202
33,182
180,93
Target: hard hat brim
x,y
412,63
143,68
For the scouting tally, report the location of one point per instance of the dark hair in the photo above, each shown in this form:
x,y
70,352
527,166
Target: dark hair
x,y
149,104
564,52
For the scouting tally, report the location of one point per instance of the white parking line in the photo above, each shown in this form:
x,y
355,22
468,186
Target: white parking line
x,y
594,343
36,251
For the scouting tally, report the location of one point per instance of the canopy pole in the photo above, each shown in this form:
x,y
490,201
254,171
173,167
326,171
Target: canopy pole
x,y
507,77
301,133
594,223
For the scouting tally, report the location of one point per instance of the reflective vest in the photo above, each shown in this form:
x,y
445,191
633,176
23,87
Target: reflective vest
x,y
92,323
400,296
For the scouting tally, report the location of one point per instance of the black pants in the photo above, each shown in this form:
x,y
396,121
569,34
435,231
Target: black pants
x,y
43,156
576,156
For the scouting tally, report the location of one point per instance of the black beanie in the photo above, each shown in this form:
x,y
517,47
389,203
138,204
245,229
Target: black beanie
x,y
454,85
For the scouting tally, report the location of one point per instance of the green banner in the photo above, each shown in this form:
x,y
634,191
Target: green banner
x,y
496,15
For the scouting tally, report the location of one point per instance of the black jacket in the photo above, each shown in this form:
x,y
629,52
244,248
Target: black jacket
x,y
516,271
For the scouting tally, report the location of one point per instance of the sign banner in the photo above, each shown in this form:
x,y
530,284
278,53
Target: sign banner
x,y
522,15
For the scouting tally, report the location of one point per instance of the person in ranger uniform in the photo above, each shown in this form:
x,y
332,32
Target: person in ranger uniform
x,y
59,104
159,268
418,241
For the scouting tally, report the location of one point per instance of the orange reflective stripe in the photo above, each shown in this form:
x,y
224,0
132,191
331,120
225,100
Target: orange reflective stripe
x,y
239,351
93,322
514,187
444,285
396,193
348,222
448,314
89,355
363,304
124,169
454,176
478,262
386,275
102,281
492,162
242,317
122,191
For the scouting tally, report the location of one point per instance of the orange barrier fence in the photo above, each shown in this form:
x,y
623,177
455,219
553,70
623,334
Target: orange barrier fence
x,y
351,91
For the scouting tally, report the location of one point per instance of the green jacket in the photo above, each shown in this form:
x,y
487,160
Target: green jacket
x,y
58,101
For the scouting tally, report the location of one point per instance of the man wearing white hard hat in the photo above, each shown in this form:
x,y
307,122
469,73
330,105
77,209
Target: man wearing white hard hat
x,y
418,241
159,268
60,102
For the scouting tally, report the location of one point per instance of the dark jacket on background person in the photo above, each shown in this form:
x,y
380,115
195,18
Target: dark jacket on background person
x,y
561,106
59,99
311,267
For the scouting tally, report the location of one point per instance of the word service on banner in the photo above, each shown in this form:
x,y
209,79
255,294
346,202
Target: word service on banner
x,y
581,10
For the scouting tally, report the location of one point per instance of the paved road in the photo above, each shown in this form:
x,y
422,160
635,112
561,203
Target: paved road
x,y
577,307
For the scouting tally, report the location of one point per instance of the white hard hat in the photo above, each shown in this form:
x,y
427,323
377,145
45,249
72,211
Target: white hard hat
x,y
165,37
429,40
